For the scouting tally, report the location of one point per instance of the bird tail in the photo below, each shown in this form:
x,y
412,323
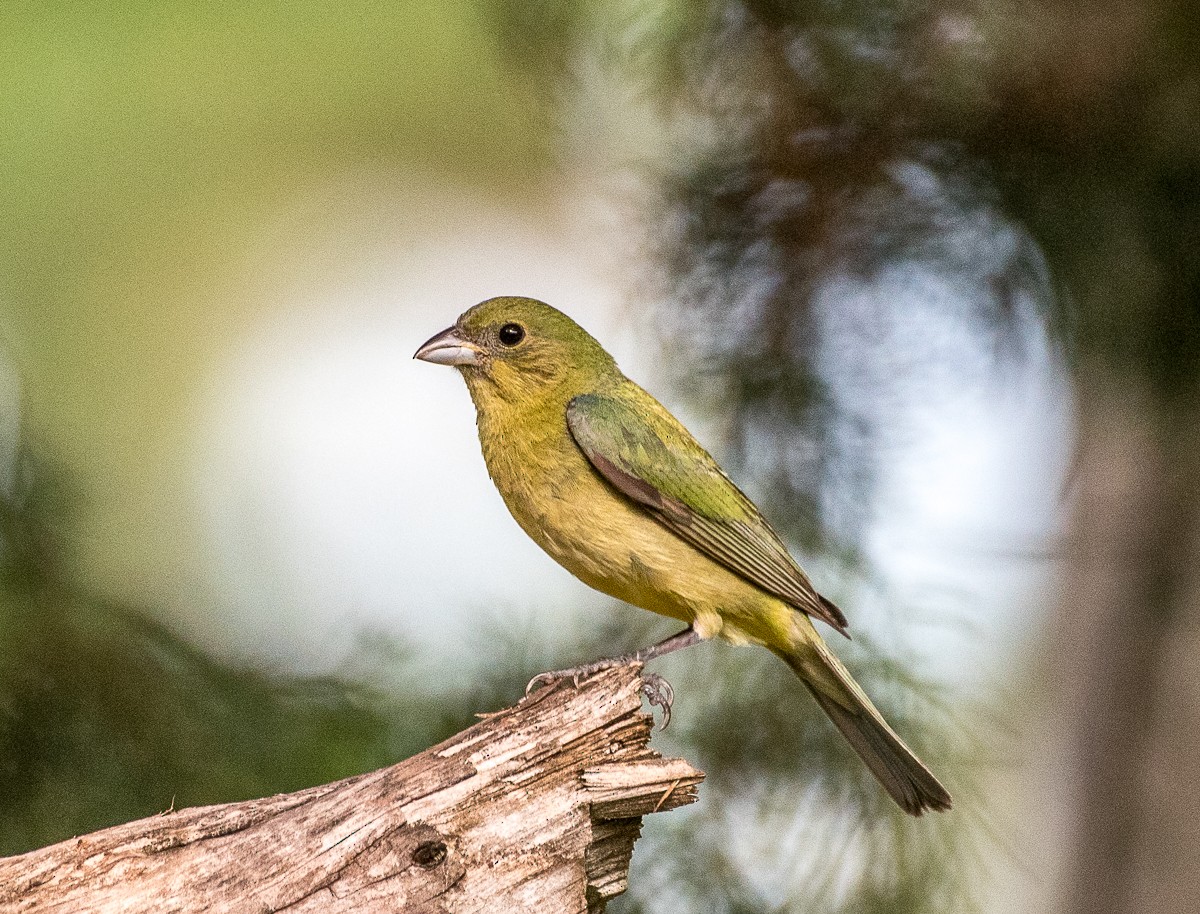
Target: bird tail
x,y
894,765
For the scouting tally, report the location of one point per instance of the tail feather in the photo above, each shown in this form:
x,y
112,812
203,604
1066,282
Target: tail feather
x,y
895,766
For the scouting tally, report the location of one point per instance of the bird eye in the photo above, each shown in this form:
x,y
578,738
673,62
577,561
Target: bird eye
x,y
511,334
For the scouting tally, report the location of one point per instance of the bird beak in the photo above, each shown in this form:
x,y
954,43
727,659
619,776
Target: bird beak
x,y
448,348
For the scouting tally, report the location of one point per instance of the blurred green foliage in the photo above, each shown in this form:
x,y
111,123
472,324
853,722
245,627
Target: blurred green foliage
x,y
138,131
106,716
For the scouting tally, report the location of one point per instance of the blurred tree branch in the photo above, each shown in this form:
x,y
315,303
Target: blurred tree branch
x,y
1124,648
536,808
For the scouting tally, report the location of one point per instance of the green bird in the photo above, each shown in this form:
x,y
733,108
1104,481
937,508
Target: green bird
x,y
619,493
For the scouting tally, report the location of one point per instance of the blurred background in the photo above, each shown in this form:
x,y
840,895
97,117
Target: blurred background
x,y
923,274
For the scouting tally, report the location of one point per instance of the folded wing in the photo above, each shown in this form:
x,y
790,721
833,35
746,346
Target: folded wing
x,y
645,453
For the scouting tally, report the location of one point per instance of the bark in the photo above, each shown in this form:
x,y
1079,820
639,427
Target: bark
x,y
535,808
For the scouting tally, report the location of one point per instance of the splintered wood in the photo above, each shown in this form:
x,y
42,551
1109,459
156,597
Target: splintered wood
x,y
535,809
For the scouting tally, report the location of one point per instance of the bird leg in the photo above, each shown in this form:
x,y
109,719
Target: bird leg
x,y
676,642
656,689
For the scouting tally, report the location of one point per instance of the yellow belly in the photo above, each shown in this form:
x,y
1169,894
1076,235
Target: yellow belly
x,y
615,546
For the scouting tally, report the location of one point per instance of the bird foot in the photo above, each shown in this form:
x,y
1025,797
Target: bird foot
x,y
657,690
577,674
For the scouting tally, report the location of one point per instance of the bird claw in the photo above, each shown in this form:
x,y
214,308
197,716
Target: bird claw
x,y
541,679
659,694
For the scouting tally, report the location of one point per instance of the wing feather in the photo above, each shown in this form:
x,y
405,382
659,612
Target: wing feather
x,y
657,463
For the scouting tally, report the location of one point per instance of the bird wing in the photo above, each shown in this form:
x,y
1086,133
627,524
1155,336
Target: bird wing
x,y
645,452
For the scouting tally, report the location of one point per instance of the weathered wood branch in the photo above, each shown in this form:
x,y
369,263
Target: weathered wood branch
x,y
534,809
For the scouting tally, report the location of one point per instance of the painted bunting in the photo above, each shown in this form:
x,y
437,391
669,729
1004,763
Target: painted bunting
x,y
617,491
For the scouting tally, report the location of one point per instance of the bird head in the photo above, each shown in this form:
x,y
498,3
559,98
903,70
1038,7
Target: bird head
x,y
521,346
